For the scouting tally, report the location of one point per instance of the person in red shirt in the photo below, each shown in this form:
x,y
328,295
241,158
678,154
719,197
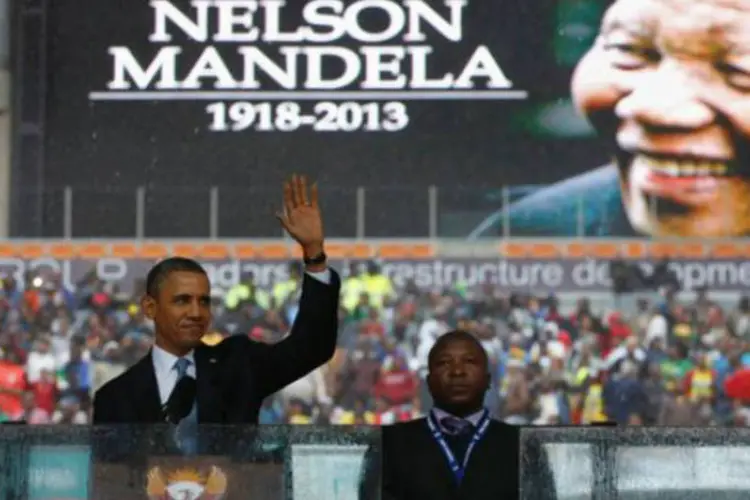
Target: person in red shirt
x,y
33,415
12,386
396,384
619,330
45,392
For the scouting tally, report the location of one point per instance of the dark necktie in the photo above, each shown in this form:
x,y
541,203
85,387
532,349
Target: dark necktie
x,y
458,433
454,426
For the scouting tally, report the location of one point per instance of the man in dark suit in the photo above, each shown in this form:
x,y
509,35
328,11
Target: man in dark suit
x,y
234,377
458,451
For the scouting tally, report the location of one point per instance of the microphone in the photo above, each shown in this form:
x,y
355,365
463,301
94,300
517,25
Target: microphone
x,y
181,401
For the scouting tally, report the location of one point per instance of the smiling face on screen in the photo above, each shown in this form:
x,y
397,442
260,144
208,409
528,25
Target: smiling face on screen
x,y
668,82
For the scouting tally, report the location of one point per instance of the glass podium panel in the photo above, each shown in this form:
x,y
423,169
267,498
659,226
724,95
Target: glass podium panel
x,y
640,463
118,462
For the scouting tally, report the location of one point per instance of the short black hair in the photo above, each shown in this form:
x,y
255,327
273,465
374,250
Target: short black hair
x,y
455,336
163,269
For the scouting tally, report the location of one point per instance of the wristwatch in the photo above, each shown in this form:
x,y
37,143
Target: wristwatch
x,y
315,259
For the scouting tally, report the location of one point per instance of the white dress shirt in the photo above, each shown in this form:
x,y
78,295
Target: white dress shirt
x,y
166,373
164,362
323,276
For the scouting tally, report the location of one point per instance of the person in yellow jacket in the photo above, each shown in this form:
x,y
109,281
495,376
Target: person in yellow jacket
x,y
352,288
577,381
593,402
286,289
350,417
700,382
357,414
246,291
298,413
377,285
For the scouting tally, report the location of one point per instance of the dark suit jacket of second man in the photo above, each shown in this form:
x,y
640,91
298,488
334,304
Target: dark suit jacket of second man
x,y
235,376
411,463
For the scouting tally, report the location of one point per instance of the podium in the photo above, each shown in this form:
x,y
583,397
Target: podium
x,y
116,462
328,463
642,463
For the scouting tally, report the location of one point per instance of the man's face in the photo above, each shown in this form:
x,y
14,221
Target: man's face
x,y
181,312
668,81
458,375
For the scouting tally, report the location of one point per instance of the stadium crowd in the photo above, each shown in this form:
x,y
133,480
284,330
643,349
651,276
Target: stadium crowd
x,y
668,363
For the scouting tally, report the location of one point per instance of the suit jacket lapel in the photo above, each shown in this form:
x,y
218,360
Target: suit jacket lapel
x,y
150,407
209,401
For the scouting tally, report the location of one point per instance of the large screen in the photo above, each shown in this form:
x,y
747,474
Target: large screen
x,y
470,119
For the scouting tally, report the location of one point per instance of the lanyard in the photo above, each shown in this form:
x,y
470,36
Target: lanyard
x,y
458,469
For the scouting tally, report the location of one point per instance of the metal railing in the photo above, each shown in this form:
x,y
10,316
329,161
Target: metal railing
x,y
229,212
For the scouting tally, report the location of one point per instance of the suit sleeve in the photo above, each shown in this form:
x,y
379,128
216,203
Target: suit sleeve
x,y
311,342
106,407
112,444
390,487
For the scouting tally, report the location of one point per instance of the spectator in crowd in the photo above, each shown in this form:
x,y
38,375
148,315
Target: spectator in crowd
x,y
40,359
12,385
33,414
69,412
308,392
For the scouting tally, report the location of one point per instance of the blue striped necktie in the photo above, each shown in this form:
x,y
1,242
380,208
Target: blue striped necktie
x,y
187,428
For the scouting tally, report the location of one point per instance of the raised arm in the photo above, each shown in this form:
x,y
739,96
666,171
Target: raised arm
x,y
312,340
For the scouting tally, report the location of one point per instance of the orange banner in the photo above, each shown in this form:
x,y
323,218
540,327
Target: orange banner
x,y
631,249
208,250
